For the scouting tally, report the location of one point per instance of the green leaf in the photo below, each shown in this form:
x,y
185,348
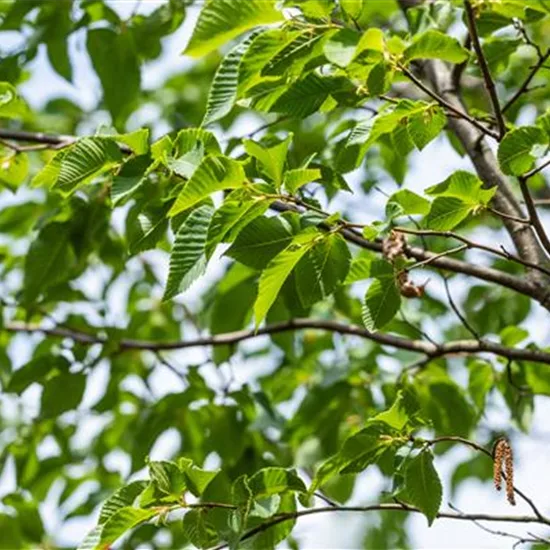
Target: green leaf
x,y
187,261
272,160
129,178
121,522
48,261
382,300
272,481
85,160
13,170
223,92
168,480
410,202
447,212
426,126
116,63
465,186
198,529
422,485
36,370
259,241
214,173
321,269
481,381
11,104
123,497
277,271
222,20
519,148
294,179
434,44
62,393
197,479
340,47
234,214
397,416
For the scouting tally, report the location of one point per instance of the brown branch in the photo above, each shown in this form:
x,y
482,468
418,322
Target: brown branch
x,y
525,86
472,244
457,347
521,285
397,507
449,106
533,214
488,79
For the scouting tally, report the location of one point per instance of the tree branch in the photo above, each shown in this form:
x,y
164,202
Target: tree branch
x,y
533,214
397,507
457,347
489,83
449,106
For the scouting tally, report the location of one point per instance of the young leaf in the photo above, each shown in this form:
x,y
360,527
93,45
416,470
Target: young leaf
x,y
422,485
213,174
13,170
11,105
447,212
277,271
272,159
294,179
519,148
187,261
434,44
222,20
410,202
426,126
340,47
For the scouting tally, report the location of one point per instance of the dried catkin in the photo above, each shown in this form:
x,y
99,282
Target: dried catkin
x,y
503,456
393,246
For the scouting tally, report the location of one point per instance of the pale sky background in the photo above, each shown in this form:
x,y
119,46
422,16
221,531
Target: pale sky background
x,y
433,165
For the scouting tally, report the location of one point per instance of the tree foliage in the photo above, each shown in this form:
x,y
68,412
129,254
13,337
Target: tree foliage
x,y
227,273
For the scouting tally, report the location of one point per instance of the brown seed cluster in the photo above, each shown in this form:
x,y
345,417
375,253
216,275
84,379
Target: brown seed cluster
x,y
503,456
393,248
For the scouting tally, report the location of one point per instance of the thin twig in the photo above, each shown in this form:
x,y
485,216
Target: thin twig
x,y
507,216
533,214
454,307
488,79
447,105
437,256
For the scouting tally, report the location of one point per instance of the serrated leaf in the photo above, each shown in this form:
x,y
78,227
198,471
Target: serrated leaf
x,y
198,530
480,382
222,20
519,148
447,212
277,271
434,44
125,496
129,178
85,160
121,522
234,214
382,300
294,179
223,92
260,241
214,173
321,269
272,159
422,485
465,186
426,126
187,261
271,481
